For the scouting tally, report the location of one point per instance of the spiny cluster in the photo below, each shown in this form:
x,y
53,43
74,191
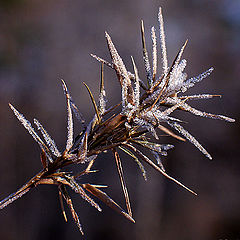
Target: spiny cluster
x,y
144,109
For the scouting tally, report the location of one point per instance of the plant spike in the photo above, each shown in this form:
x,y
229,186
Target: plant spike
x,y
154,53
70,204
159,161
168,111
190,82
21,191
107,200
93,102
69,117
166,77
50,142
194,111
145,57
180,53
137,86
152,164
170,133
102,94
32,132
82,151
163,42
200,96
78,189
61,203
12,197
101,60
122,73
123,183
74,108
136,160
190,138
131,76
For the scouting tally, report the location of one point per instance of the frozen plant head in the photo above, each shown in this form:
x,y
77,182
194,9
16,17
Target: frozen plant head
x,y
144,110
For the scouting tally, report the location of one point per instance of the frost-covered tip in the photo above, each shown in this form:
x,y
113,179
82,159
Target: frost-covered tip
x,y
50,142
69,117
190,82
32,132
137,86
122,73
154,52
163,42
102,94
146,58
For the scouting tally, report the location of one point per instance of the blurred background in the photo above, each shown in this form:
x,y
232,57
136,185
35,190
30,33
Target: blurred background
x,y
42,42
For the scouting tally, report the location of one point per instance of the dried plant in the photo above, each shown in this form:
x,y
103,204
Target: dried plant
x,y
144,108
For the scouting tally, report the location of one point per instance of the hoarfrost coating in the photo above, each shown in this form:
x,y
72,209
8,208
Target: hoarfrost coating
x,y
145,109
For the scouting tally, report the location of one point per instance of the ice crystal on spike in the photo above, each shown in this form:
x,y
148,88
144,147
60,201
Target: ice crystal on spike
x,y
70,118
154,52
50,142
102,95
189,137
147,105
32,132
137,87
145,58
190,82
163,42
